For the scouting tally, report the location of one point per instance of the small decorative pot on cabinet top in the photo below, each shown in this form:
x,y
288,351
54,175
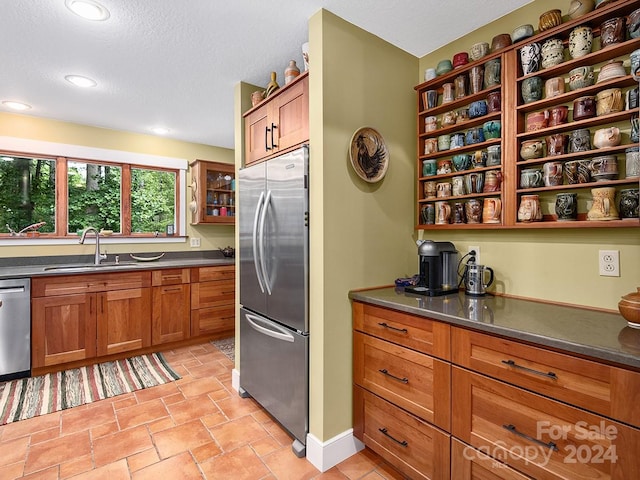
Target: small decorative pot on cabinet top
x,y
550,19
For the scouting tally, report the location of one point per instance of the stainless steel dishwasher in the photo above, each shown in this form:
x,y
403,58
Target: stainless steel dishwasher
x,y
15,328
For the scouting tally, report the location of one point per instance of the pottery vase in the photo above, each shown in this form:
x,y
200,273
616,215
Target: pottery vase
x,y
603,207
580,41
291,72
530,57
529,209
629,200
552,52
272,86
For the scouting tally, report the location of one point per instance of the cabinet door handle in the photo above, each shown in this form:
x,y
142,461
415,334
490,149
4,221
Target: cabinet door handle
x,y
402,330
174,289
513,364
385,372
266,136
513,429
273,129
402,443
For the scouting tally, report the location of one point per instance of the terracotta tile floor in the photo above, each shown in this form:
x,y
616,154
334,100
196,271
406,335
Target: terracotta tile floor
x,y
195,428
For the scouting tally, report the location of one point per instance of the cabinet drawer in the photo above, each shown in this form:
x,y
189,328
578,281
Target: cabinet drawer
x,y
412,380
73,284
467,463
414,447
208,274
212,294
422,334
213,320
591,385
172,276
539,436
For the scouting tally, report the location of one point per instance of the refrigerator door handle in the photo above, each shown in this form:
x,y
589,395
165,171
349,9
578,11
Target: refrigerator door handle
x,y
280,334
265,210
255,242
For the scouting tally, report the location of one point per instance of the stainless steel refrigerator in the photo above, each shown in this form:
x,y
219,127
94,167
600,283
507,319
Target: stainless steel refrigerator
x,y
274,293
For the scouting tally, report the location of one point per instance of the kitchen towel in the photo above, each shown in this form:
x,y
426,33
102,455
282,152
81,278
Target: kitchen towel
x,y
30,397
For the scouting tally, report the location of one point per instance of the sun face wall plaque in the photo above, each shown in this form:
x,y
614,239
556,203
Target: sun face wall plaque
x,y
369,154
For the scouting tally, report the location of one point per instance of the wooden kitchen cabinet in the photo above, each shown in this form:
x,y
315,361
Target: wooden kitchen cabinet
x,y
170,305
124,320
539,436
63,329
278,123
212,300
214,193
76,318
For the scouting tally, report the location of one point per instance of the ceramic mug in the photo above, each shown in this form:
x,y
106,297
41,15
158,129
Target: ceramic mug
x,y
478,109
457,186
529,209
492,181
556,144
552,174
475,135
531,149
603,206
494,155
491,129
473,210
448,93
629,201
552,52
612,31
531,178
479,159
609,101
494,102
428,214
571,172
462,161
444,142
580,41
537,121
429,167
457,141
474,182
581,77
531,89
558,115
566,206
443,190
444,166
604,167
491,210
607,137
430,99
530,57
632,162
462,115
430,145
460,86
478,50
443,213
492,72
430,189
580,140
430,124
476,79
449,118
554,87
584,107
459,215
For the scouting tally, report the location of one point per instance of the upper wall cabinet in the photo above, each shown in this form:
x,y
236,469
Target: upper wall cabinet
x,y
565,122
278,123
213,193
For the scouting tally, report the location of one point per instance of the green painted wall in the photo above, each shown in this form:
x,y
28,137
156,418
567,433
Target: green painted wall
x,y
24,126
360,234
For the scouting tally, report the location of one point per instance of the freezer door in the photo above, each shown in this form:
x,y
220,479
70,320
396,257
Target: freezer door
x,y
274,370
286,250
251,196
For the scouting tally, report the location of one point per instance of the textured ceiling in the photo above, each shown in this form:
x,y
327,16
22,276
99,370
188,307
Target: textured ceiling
x,y
175,63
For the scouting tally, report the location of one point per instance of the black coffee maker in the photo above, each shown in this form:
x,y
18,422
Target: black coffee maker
x,y
438,269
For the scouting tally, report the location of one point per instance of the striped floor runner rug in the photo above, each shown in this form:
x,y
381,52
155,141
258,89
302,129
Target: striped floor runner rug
x,y
30,397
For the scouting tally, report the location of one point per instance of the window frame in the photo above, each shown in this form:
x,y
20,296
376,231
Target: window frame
x,y
64,153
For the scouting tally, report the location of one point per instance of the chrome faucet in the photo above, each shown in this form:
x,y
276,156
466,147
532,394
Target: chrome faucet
x,y
98,256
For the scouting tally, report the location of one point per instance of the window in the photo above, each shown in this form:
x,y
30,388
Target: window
x,y
27,193
128,199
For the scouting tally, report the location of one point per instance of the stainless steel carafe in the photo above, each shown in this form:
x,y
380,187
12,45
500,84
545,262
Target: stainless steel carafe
x,y
474,279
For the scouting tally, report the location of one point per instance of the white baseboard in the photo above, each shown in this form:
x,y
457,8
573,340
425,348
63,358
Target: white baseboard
x,y
235,379
325,455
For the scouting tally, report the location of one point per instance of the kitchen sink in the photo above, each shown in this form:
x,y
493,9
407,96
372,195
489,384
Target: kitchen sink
x,y
87,267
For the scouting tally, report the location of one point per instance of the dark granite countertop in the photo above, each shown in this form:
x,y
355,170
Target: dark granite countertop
x,y
595,334
41,266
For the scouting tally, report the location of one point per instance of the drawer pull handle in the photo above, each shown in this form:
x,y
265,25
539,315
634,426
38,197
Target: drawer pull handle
x,y
403,330
513,429
173,289
513,364
402,443
403,380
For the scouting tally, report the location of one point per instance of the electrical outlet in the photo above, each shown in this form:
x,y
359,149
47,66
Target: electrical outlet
x,y
609,263
194,242
477,255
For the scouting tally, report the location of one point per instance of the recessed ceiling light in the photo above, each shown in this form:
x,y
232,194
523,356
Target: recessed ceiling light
x,y
160,130
16,105
80,81
87,9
